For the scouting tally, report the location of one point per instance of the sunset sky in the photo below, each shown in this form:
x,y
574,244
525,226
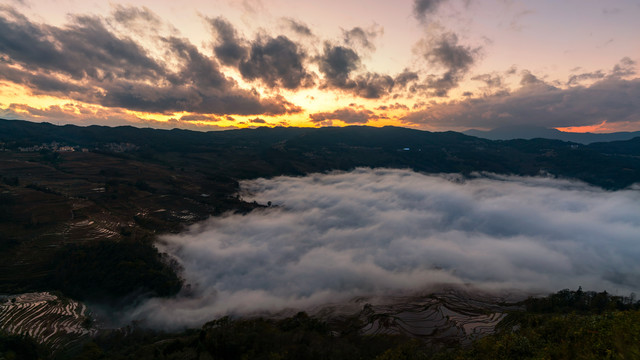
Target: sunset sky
x,y
429,64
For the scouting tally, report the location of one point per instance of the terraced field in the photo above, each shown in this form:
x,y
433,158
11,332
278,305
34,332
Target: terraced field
x,y
449,316
55,322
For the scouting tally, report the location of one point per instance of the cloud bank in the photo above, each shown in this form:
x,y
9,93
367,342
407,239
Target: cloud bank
x,y
85,60
346,115
330,237
132,60
456,59
613,99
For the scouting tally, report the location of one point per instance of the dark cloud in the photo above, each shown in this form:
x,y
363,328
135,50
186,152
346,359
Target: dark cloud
x,y
84,48
130,16
199,117
87,62
418,105
491,80
578,78
199,86
258,121
298,27
372,85
229,48
626,67
422,8
277,62
611,99
371,232
396,106
530,80
361,37
346,115
197,68
493,84
337,64
445,52
41,84
405,78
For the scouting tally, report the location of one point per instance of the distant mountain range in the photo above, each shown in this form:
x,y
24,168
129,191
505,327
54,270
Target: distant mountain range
x,y
265,152
532,132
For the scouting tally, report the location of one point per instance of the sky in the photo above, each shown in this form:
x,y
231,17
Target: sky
x,y
218,64
329,238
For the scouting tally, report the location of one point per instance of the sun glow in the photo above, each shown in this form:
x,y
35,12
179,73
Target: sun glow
x,y
11,93
602,127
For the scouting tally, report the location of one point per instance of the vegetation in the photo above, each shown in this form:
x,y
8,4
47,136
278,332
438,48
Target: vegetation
x,y
297,337
565,325
107,271
554,336
279,151
17,347
589,302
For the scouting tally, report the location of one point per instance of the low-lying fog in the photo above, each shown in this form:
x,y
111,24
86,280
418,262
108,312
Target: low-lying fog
x,y
330,237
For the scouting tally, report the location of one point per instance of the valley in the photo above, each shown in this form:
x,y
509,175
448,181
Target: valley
x,y
83,223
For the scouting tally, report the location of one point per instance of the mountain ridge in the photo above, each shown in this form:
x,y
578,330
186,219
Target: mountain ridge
x,y
531,132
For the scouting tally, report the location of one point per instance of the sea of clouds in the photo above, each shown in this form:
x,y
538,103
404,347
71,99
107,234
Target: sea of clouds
x,y
331,237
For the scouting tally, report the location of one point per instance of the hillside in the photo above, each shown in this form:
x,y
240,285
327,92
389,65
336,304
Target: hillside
x,y
275,151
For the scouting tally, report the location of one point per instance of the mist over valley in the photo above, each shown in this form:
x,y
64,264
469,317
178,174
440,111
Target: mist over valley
x,y
369,232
